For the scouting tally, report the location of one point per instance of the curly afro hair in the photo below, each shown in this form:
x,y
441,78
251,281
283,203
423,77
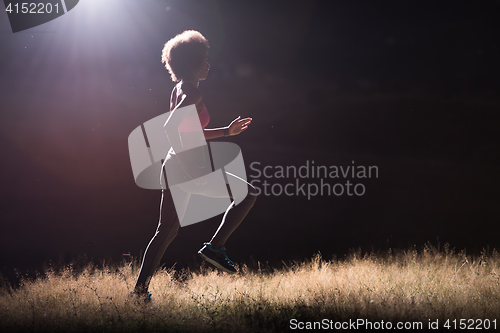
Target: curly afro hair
x,y
184,53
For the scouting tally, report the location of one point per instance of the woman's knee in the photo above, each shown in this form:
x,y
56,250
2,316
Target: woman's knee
x,y
252,195
175,229
168,229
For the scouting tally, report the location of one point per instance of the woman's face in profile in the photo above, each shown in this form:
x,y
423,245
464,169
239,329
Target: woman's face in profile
x,y
203,71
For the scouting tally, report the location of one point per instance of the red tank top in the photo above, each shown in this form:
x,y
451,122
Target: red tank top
x,y
189,124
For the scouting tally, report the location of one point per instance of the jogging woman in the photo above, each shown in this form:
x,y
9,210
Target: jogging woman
x,y
186,58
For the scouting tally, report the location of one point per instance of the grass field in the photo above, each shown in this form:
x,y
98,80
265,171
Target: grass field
x,y
407,286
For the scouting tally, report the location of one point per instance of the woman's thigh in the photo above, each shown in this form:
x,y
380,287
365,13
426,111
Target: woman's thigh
x,y
218,186
213,185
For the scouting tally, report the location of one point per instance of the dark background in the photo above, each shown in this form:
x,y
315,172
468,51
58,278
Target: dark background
x,y
410,87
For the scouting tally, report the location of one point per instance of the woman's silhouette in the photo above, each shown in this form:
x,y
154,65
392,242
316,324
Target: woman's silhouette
x,y
186,58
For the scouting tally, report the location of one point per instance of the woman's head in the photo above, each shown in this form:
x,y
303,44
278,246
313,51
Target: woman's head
x,y
185,54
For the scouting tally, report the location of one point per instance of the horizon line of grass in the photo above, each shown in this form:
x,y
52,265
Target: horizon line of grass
x,y
415,285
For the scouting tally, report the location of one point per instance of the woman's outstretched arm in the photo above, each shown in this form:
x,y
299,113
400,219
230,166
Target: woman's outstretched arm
x,y
235,127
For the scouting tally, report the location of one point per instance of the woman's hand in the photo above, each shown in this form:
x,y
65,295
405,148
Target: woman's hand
x,y
238,125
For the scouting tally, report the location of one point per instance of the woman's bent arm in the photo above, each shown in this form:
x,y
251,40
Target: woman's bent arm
x,y
214,133
236,127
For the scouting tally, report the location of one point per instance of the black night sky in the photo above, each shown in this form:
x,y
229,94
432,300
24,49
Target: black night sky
x,y
410,87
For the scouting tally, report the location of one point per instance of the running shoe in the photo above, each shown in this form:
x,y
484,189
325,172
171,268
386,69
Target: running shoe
x,y
218,257
144,298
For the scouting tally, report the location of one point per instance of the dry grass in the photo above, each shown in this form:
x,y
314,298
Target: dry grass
x,y
407,285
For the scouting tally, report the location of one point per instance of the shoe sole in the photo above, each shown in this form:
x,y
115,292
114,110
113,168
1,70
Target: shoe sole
x,y
215,263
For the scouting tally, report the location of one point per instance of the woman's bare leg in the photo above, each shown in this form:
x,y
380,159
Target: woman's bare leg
x,y
233,217
168,226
